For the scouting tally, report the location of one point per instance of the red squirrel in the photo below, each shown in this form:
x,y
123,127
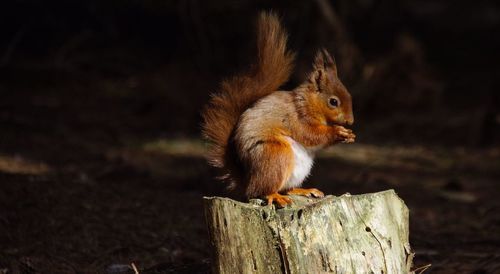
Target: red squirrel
x,y
264,140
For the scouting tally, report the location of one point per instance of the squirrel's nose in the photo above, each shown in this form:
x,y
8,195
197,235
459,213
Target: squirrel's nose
x,y
349,121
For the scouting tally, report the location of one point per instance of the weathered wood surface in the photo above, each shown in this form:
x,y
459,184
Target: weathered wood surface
x,y
348,234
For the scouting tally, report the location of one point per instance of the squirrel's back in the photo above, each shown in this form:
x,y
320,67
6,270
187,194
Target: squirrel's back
x,y
272,69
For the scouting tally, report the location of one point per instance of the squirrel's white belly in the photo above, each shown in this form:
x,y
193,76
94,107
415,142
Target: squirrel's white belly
x,y
303,162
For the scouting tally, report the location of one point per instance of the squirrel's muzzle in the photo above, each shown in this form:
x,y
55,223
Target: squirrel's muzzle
x,y
349,120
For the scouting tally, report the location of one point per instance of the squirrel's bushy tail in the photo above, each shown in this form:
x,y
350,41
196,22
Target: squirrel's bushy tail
x,y
273,68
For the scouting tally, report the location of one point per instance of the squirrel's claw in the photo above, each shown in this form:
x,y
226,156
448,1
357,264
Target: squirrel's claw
x,y
280,200
349,140
308,192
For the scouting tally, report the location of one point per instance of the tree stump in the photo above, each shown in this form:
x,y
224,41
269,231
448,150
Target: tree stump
x,y
348,234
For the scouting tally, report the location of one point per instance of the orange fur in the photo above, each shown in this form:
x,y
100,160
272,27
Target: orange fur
x,y
268,168
264,139
273,68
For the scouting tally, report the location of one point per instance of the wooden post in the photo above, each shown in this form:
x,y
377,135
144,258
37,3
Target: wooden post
x,y
348,234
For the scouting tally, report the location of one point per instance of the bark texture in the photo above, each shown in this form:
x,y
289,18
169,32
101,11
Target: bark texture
x,y
348,234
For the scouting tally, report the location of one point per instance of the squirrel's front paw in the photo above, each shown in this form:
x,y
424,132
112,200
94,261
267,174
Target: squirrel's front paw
x,y
344,135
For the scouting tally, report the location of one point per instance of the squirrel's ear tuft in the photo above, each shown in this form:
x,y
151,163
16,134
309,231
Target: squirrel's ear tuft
x,y
319,61
324,61
325,70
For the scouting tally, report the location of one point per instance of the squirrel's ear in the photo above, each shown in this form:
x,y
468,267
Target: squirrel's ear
x,y
319,61
324,61
318,79
325,70
330,64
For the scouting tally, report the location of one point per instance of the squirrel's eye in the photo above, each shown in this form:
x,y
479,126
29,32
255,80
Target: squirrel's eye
x,y
333,102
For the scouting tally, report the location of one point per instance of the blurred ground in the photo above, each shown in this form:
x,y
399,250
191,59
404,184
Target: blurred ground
x,y
95,205
100,161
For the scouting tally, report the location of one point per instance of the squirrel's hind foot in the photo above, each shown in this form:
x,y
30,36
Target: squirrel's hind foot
x,y
280,200
308,192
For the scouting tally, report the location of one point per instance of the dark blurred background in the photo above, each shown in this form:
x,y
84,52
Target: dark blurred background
x,y
101,162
